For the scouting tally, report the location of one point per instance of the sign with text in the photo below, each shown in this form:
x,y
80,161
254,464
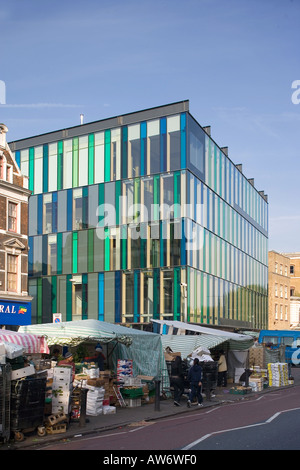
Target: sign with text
x,y
15,313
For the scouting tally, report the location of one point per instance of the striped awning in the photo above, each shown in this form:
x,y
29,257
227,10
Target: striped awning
x,y
31,343
186,344
75,332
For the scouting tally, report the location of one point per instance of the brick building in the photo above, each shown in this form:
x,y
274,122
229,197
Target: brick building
x,y
294,274
15,303
279,291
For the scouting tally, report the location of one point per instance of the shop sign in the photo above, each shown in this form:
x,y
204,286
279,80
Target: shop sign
x,y
15,313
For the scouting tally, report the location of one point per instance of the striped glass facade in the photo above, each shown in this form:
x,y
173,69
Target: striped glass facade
x,y
143,216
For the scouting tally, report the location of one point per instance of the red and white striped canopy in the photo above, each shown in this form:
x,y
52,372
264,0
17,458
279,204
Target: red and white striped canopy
x,y
32,344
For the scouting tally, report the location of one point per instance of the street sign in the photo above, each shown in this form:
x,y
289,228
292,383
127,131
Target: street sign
x,y
56,317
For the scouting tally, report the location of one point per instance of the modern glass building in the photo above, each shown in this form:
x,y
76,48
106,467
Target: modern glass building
x,y
143,216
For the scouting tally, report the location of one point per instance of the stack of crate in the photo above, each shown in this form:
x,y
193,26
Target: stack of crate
x,y
62,389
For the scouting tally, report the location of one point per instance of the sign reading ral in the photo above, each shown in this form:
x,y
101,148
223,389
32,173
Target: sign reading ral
x,y
15,313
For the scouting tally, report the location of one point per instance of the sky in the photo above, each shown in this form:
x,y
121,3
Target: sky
x,y
236,61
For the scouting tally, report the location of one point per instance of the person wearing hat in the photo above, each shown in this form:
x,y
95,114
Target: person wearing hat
x,y
98,358
68,361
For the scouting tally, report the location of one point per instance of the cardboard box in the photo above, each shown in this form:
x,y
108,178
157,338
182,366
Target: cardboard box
x,y
170,356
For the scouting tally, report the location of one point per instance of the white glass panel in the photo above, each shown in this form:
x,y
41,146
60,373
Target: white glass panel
x,y
67,164
38,170
99,157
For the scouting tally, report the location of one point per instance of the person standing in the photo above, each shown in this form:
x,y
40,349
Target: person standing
x,y
195,379
98,358
222,370
177,379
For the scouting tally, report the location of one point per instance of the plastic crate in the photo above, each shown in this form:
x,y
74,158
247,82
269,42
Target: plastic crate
x,y
27,403
132,392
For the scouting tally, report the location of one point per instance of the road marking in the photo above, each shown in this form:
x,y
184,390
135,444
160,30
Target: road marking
x,y
269,420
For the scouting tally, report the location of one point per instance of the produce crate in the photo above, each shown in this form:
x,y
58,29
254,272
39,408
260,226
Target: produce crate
x,y
132,392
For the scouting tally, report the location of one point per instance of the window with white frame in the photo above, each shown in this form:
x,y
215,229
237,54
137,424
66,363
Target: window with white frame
x,y
276,312
12,218
280,312
12,273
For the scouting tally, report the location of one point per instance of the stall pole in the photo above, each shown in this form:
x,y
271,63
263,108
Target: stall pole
x,y
83,399
157,395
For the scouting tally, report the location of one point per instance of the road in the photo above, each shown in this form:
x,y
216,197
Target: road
x,y
269,421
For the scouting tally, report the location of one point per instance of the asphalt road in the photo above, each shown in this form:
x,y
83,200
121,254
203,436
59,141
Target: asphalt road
x,y
268,421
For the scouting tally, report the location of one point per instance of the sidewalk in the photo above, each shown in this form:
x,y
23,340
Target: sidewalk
x,y
144,413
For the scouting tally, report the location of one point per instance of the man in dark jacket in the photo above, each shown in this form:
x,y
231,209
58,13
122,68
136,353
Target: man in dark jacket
x,y
195,377
177,379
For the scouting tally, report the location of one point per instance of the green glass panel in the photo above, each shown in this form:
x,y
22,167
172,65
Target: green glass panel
x,y
59,253
118,187
75,154
31,169
54,294
75,252
107,155
60,151
45,168
69,298
124,246
91,158
91,250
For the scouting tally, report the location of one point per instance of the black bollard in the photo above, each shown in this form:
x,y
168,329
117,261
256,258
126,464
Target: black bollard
x,y
157,395
83,398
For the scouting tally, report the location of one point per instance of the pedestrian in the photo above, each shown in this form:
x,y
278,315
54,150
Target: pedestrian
x,y
222,370
177,379
55,355
98,357
195,379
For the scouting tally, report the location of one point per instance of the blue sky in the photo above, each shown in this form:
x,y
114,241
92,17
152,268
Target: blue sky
x,y
235,60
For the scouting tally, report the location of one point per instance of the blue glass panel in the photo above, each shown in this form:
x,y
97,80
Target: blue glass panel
x,y
136,315
183,139
163,144
30,256
18,158
183,243
101,296
124,151
40,214
69,209
143,148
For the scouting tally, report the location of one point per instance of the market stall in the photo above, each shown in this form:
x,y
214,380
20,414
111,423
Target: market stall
x,y
133,360
31,343
143,348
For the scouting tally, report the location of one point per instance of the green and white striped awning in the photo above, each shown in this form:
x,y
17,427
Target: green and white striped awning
x,y
73,333
186,344
206,337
